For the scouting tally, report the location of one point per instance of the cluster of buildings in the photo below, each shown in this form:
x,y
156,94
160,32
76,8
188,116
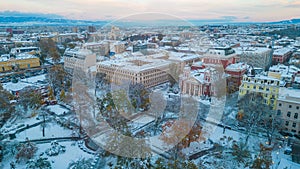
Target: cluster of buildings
x,y
244,57
276,86
20,58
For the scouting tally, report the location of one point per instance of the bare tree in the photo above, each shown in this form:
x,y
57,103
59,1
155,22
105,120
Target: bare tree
x,y
26,150
254,113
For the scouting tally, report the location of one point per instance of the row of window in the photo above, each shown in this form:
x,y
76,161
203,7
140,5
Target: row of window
x,y
290,106
288,114
293,130
261,81
293,124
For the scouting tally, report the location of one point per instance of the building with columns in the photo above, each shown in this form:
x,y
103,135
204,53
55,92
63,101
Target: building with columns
x,y
196,82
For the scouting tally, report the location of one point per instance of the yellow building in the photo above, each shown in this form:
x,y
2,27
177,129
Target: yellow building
x,y
268,86
20,62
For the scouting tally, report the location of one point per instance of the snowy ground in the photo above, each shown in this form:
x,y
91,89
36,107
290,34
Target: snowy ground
x,y
17,86
73,153
31,81
52,130
196,147
144,119
34,79
15,124
57,109
215,133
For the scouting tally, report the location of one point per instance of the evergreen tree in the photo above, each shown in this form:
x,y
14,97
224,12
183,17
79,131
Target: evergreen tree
x,y
82,163
62,95
39,163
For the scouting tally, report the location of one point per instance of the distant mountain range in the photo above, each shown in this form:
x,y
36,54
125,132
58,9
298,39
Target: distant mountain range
x,y
9,18
292,21
13,18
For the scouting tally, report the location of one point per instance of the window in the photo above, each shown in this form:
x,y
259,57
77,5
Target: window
x,y
288,114
286,123
290,106
278,112
280,104
294,131
297,107
294,125
296,116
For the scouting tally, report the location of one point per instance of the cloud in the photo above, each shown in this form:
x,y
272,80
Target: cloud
x,y
230,10
27,14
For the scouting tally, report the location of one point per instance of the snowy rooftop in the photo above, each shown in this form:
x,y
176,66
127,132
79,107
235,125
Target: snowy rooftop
x,y
199,74
182,56
24,48
95,43
82,53
282,68
282,51
289,94
237,67
136,64
241,50
25,56
4,58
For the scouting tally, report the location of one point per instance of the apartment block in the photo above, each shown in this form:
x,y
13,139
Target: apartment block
x,y
267,86
288,108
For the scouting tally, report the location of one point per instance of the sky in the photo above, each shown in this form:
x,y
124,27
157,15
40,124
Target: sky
x,y
231,10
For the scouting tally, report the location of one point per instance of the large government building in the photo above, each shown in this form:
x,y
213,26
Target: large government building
x,y
145,70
